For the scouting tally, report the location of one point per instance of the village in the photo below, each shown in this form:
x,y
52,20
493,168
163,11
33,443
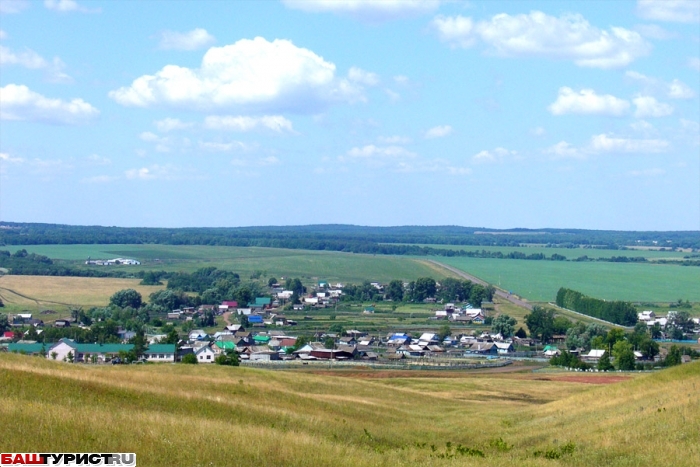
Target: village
x,y
263,333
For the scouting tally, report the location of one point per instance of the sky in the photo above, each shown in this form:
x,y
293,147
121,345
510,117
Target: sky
x,y
563,114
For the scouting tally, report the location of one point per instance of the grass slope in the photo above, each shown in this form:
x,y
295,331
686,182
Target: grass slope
x,y
540,280
175,415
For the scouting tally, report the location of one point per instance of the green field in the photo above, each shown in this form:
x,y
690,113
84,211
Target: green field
x,y
540,280
570,253
309,265
207,415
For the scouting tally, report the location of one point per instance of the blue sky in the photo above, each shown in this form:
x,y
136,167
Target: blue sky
x,y
499,114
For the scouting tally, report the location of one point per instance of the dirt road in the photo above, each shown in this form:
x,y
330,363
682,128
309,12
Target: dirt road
x,y
500,293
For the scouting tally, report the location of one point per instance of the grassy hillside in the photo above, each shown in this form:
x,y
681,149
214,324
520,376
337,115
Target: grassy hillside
x,y
176,415
540,280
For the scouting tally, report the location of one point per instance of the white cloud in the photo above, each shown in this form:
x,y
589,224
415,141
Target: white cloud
x,y
648,106
694,63
431,165
676,89
65,6
564,150
195,39
538,131
656,172
5,157
276,123
569,37
496,155
257,74
154,172
221,147
171,124
392,95
680,90
682,11
605,143
587,102
18,102
3,34
32,60
13,6
371,151
438,131
367,10
401,79
150,137
361,76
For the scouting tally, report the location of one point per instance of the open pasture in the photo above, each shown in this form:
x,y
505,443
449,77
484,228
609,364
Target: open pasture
x,y
181,415
277,262
540,280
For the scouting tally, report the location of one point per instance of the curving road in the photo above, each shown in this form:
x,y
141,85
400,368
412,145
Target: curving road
x,y
501,293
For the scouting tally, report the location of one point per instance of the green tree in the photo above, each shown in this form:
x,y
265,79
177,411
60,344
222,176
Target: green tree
x,y
624,355
190,359
395,290
655,331
604,362
649,348
423,288
540,322
444,332
329,343
673,357
521,333
172,337
271,281
140,344
229,358
150,278
70,357
504,325
4,323
126,298
614,335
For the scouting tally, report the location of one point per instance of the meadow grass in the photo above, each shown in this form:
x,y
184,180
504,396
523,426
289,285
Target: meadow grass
x,y
178,415
278,262
540,280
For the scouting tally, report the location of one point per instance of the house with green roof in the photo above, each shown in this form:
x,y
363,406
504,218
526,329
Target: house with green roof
x,y
106,352
36,348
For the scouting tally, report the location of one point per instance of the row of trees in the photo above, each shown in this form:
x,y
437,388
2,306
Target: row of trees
x,y
448,290
618,312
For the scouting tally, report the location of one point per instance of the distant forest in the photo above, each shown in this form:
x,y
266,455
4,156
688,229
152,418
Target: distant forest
x,y
358,239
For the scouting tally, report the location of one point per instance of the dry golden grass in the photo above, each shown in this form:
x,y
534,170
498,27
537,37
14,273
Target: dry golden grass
x,y
173,415
42,292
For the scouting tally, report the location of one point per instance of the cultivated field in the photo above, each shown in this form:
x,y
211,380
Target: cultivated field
x,y
41,292
180,415
310,265
540,280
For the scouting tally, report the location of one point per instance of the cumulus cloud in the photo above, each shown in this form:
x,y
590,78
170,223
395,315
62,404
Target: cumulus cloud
x,y
694,63
213,146
538,131
431,166
371,151
195,39
569,37
654,31
3,34
361,76
32,60
681,11
65,6
676,89
256,74
395,139
587,102
18,102
95,159
276,123
367,10
100,179
648,106
495,155
172,124
607,143
154,172
5,157
438,131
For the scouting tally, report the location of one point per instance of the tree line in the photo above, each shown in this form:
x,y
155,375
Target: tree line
x,y
618,312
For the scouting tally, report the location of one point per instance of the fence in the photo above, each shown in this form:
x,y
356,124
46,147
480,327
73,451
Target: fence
x,y
401,365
